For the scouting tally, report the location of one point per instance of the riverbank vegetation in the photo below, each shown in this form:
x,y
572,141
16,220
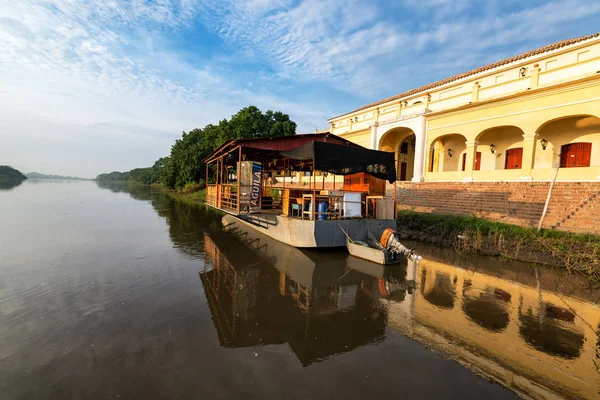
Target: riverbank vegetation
x,y
184,168
37,175
578,253
8,173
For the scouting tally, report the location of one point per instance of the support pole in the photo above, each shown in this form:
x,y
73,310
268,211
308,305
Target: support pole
x,y
395,203
539,227
239,185
314,200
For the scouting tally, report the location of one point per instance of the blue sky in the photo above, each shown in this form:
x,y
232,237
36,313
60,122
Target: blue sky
x,y
89,86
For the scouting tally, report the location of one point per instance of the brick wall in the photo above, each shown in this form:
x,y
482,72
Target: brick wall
x,y
574,206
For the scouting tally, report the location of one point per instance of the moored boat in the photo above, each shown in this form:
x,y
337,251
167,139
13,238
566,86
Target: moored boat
x,y
271,185
362,250
388,250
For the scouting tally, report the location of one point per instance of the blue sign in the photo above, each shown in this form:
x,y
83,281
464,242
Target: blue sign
x,y
256,186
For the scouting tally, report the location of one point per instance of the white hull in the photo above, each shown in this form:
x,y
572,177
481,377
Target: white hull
x,y
374,255
310,234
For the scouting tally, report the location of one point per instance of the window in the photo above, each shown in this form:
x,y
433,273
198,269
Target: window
x,y
514,158
575,155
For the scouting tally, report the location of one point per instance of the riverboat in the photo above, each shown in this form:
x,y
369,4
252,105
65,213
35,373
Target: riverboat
x,y
299,189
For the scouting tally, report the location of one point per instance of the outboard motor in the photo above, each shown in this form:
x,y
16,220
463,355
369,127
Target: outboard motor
x,y
391,242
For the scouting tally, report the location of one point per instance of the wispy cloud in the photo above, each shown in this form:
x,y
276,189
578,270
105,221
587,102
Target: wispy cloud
x,y
97,76
358,48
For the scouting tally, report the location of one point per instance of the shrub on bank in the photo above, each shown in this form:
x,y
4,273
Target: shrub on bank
x,y
579,253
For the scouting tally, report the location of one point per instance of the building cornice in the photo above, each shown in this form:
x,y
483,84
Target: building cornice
x,y
479,73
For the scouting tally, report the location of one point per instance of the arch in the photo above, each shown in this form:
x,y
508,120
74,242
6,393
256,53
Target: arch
x,y
551,332
441,292
499,147
487,308
558,132
446,153
401,141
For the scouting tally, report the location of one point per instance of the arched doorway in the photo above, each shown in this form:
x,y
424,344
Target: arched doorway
x,y
447,153
501,148
570,142
402,141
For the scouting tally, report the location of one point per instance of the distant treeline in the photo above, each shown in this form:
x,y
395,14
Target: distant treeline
x,y
184,165
37,175
9,173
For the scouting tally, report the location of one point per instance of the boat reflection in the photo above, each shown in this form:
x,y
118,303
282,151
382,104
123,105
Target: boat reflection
x,y
268,293
538,342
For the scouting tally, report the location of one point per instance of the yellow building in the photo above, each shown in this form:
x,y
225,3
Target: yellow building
x,y
514,120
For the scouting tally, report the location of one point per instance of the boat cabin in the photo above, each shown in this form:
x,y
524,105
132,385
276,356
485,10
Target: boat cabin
x,y
312,177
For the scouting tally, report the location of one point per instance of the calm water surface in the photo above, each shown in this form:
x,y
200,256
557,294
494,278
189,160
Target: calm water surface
x,y
119,292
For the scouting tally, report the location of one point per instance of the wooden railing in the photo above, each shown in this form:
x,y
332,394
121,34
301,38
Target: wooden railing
x,y
228,198
211,195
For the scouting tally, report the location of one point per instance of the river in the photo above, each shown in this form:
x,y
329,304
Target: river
x,y
112,291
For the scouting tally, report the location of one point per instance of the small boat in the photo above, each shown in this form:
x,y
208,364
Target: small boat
x,y
386,251
362,250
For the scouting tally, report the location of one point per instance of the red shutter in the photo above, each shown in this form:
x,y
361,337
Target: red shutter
x,y
514,158
464,161
575,155
478,161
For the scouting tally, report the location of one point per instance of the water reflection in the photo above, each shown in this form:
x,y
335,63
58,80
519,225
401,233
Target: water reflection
x,y
551,329
534,331
488,307
9,184
270,293
187,221
323,304
438,288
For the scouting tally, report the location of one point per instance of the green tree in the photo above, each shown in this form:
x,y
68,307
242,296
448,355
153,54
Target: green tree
x,y
184,164
9,173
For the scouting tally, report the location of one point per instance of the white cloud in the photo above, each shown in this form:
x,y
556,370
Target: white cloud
x,y
100,76
68,82
353,45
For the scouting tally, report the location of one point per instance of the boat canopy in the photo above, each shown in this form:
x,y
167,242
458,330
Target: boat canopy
x,y
340,159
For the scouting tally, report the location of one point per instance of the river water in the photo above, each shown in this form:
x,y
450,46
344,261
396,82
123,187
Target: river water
x,y
125,292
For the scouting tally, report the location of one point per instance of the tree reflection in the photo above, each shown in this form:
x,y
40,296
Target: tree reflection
x,y
187,221
9,184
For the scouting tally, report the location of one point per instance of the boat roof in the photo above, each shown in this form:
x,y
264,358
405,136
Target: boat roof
x,y
277,144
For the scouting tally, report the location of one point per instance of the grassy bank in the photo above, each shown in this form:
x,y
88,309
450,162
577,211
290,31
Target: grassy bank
x,y
578,253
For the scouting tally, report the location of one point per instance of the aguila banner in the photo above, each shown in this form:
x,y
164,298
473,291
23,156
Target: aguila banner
x,y
256,187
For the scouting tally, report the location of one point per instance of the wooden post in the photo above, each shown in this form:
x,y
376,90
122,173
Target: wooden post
x,y
239,186
539,227
395,203
284,162
314,200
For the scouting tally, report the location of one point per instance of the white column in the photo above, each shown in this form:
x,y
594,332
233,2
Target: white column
x,y
374,136
420,134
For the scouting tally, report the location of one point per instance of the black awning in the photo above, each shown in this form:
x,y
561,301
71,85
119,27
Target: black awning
x,y
345,160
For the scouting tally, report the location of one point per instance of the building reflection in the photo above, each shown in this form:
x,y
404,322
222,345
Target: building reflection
x,y
487,307
537,342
